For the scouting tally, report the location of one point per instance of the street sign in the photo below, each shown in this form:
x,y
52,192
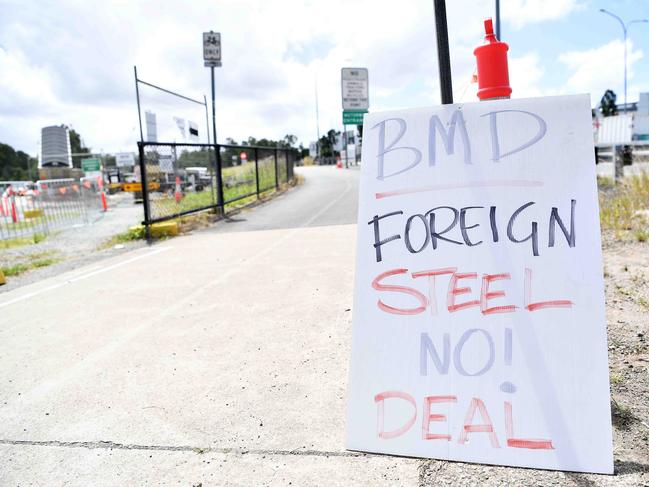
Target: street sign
x,y
355,92
124,159
166,163
212,49
353,117
135,187
91,164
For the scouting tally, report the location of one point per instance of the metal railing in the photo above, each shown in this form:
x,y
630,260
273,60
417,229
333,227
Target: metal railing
x,y
30,210
180,178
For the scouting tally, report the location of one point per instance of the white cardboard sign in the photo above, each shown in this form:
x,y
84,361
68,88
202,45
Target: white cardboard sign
x,y
479,331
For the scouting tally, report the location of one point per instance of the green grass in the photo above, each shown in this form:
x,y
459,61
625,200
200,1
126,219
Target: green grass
x,y
133,233
617,379
22,241
34,261
605,182
623,417
619,208
22,225
238,181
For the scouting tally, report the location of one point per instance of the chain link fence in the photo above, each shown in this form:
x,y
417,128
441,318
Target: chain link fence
x,y
179,179
32,210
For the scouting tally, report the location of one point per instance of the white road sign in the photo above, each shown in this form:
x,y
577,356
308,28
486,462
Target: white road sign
x,y
124,159
212,48
355,90
166,163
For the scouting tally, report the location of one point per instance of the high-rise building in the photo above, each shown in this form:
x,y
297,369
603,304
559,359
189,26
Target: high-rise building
x,y
55,147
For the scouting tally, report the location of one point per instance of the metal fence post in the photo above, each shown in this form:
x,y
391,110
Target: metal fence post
x,y
145,192
276,171
287,165
219,180
257,171
212,164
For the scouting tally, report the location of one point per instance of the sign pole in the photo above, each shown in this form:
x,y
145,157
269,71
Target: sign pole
x,y
137,96
212,58
346,147
443,56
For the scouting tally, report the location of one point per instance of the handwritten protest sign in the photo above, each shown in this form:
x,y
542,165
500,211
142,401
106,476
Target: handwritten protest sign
x,y
479,330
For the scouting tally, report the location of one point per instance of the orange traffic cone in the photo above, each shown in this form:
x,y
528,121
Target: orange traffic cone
x,y
178,193
102,194
14,213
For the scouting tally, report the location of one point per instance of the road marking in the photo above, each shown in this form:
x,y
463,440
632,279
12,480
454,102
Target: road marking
x,y
83,276
331,203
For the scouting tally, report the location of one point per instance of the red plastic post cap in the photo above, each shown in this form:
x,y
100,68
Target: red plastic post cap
x,y
493,72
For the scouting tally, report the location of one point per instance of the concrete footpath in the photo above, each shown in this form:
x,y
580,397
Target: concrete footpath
x,y
214,359
218,358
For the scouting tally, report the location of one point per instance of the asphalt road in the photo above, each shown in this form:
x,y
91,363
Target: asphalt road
x,y
328,196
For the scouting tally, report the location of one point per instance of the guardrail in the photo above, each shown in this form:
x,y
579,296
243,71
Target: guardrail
x,y
32,210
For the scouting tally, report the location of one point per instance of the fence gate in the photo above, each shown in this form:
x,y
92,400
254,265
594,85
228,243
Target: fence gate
x,y
180,179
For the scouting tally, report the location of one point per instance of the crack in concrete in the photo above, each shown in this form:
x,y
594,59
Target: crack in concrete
x,y
110,445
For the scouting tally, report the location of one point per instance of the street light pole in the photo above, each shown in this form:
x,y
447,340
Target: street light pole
x,y
317,121
625,28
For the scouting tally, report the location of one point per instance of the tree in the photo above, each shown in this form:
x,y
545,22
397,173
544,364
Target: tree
x,y
16,165
607,104
328,143
78,147
288,141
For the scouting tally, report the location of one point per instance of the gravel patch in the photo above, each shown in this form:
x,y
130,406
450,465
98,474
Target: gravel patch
x,y
77,246
626,273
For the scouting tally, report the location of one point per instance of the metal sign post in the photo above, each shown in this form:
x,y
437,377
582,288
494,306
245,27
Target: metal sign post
x,y
354,83
212,59
443,56
346,146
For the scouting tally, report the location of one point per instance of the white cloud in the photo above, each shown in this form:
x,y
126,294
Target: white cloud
x,y
523,12
601,68
525,76
72,62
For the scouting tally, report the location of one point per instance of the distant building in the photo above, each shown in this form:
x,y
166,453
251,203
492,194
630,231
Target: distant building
x,y
313,149
641,121
151,127
55,147
625,127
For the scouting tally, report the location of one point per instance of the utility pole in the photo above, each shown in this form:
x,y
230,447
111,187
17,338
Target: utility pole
x,y
625,27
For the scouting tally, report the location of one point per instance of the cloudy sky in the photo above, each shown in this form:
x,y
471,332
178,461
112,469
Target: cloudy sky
x,y
72,62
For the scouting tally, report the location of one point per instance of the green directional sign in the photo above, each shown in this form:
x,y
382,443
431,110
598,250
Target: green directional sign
x,y
354,117
91,164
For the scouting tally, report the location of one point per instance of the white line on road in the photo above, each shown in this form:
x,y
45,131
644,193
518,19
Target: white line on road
x,y
83,276
323,210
